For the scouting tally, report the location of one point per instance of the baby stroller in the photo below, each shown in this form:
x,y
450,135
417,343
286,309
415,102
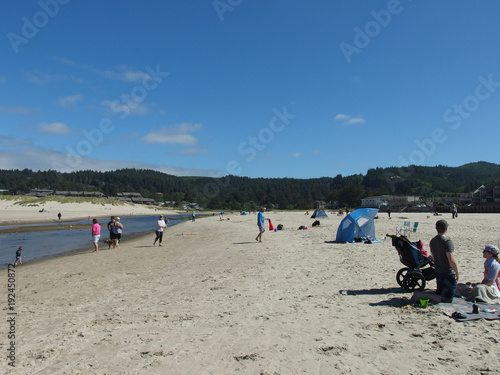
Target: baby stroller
x,y
418,268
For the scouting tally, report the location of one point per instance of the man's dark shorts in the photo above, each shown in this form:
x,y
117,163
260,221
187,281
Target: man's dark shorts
x,y
446,285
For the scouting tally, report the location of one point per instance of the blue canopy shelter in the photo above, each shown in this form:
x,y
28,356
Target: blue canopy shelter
x,y
318,213
358,223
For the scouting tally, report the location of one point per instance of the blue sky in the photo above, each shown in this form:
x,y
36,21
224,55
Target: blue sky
x,y
282,88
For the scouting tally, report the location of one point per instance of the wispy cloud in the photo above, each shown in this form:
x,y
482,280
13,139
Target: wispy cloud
x,y
356,79
69,101
175,134
3,79
14,143
126,73
195,151
341,116
347,120
355,120
297,154
38,158
53,128
126,106
20,110
44,78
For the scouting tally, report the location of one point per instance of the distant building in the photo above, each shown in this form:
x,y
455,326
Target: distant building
x,y
489,194
390,201
376,201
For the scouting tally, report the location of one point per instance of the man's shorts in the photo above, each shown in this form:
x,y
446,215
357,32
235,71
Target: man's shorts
x,y
95,238
261,229
446,285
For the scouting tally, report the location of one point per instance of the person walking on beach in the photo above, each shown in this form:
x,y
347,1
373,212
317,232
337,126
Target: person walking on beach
x,y
160,225
454,213
442,249
260,224
193,215
18,256
110,228
221,215
117,229
96,234
59,216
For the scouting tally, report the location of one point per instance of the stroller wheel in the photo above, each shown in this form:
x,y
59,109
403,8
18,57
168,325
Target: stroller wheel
x,y
414,280
401,275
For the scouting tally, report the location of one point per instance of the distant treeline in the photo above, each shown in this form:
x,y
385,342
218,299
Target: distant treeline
x,y
244,193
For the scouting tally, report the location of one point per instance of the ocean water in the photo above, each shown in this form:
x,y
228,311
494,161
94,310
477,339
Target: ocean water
x,y
46,244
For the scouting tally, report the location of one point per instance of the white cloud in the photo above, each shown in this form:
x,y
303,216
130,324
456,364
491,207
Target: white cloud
x,y
53,128
297,154
341,116
355,120
20,110
3,79
176,134
161,137
348,120
43,78
126,73
37,158
70,101
126,107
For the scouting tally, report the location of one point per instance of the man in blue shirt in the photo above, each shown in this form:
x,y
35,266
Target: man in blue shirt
x,y
260,224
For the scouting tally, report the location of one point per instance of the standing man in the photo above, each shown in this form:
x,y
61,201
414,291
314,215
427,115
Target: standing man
x,y
59,216
454,211
111,223
260,224
193,215
442,249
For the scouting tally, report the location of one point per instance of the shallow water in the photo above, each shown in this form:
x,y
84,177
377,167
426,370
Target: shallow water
x,y
45,244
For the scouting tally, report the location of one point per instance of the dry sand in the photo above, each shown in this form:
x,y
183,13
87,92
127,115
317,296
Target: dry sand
x,y
212,300
10,212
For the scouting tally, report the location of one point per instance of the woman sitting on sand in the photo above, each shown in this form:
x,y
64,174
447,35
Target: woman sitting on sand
x,y
488,290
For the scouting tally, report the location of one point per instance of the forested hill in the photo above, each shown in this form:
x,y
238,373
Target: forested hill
x,y
244,193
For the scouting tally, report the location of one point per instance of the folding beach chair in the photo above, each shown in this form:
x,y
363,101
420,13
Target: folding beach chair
x,y
406,230
402,231
414,228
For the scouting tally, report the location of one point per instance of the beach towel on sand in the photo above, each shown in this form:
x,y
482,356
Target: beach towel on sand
x,y
464,307
271,227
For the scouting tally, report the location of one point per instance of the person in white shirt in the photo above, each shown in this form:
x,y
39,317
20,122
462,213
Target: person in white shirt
x,y
160,225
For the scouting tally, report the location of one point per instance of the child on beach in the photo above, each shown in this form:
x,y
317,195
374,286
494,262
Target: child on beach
x,y
18,256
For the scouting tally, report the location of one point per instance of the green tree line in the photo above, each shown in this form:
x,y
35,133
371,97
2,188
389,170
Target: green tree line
x,y
244,193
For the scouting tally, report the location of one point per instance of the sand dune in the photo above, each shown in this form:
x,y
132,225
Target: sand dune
x,y
212,300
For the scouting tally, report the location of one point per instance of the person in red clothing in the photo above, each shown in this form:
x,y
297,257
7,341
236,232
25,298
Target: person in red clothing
x,y
96,234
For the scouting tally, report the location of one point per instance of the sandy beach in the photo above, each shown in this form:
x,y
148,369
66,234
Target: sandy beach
x,y
212,300
12,213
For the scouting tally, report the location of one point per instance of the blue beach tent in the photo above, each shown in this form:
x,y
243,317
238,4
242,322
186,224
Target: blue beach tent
x,y
318,213
358,223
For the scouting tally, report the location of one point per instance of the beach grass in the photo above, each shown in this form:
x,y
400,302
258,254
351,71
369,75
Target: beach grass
x,y
23,200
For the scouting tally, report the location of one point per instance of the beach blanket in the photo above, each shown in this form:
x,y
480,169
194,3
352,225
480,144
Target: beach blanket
x,y
461,310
